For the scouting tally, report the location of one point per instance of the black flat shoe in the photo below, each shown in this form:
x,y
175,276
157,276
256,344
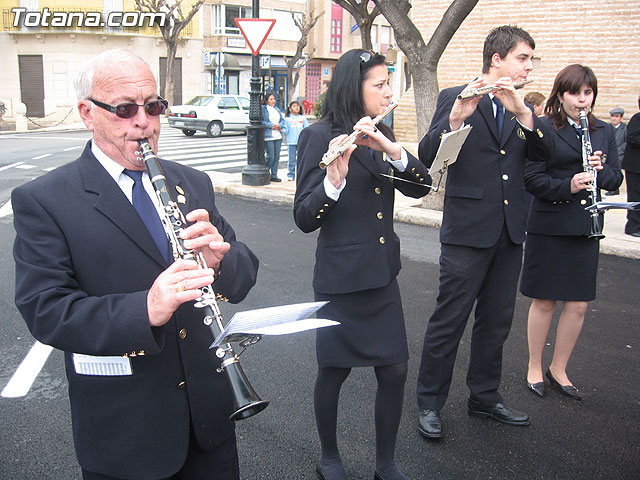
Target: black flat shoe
x,y
376,476
568,390
498,412
537,388
429,424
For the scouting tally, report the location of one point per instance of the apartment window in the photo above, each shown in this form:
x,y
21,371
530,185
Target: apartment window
x,y
385,37
336,28
223,18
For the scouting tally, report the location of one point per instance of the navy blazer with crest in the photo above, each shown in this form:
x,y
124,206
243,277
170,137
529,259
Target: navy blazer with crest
x,y
84,265
357,246
555,210
485,187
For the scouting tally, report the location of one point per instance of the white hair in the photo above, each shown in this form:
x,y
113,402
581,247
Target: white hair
x,y
84,79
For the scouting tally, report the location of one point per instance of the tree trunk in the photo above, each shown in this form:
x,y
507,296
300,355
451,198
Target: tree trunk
x,y
172,49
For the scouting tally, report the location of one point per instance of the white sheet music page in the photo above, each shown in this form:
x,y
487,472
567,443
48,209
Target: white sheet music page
x,y
274,321
449,148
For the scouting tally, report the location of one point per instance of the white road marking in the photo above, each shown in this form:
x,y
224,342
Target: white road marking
x,y
27,372
6,209
7,167
26,166
42,156
73,148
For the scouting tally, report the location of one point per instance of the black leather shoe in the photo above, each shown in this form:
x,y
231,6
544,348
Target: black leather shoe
x,y
537,388
498,412
568,390
429,424
376,476
275,179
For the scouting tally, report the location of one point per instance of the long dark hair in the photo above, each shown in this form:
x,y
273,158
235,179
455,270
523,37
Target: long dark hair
x,y
570,79
343,105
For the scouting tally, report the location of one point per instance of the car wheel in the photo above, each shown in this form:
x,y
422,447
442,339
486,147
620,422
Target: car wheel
x,y
214,129
189,133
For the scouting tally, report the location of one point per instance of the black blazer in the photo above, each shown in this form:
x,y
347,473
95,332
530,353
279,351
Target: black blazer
x,y
631,162
84,264
357,246
555,210
485,188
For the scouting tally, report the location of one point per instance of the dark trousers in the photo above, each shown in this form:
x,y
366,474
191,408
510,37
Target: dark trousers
x,y
488,276
633,195
218,464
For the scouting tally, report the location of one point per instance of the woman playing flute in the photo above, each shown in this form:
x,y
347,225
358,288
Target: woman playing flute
x,y
358,252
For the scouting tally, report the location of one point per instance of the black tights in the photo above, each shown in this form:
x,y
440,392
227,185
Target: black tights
x,y
388,410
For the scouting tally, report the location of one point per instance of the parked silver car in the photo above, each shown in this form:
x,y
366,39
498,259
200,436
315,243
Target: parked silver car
x,y
211,113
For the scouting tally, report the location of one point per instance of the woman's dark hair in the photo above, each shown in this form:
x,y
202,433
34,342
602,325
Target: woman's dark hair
x,y
502,40
570,79
266,97
289,108
343,105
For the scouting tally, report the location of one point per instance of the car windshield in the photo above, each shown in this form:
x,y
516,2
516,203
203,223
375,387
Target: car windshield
x,y
200,100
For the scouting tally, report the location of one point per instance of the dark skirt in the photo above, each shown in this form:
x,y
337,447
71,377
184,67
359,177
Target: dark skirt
x,y
560,268
371,330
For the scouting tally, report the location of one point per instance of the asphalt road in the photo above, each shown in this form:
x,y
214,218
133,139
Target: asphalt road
x,y
598,438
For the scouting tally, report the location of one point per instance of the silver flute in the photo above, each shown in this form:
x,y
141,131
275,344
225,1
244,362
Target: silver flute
x,y
245,400
337,150
478,92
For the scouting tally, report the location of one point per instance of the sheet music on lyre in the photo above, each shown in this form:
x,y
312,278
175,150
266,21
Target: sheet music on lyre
x,y
279,320
602,206
448,150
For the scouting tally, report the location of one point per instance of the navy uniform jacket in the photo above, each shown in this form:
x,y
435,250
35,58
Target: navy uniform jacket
x,y
555,210
631,162
485,188
84,264
357,246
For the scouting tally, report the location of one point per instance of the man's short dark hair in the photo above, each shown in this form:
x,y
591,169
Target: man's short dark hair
x,y
502,40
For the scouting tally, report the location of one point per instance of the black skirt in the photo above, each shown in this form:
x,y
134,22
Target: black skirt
x,y
560,268
371,330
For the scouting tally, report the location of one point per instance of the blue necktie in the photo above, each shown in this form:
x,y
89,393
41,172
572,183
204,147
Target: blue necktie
x,y
578,131
499,115
148,213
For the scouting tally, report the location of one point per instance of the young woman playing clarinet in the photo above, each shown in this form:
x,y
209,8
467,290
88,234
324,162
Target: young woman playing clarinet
x,y
358,252
561,260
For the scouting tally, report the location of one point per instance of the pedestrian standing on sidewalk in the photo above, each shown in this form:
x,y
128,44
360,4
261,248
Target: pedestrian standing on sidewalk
x,y
273,120
358,252
560,260
293,125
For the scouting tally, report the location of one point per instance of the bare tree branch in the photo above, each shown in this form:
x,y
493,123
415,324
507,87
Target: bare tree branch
x,y
359,10
305,24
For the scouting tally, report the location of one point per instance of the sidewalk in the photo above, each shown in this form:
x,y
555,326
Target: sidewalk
x,y
407,209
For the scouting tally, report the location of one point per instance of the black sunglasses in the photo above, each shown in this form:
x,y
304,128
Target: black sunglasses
x,y
128,110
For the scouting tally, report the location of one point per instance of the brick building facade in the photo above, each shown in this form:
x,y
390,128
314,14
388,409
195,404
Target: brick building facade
x,y
603,34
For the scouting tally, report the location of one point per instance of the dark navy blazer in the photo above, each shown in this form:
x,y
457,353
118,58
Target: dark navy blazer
x,y
555,210
84,264
357,246
485,187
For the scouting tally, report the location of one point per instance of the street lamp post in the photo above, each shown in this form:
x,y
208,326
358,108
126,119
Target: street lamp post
x,y
255,172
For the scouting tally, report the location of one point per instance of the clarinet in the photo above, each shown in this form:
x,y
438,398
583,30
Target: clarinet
x,y
596,227
245,400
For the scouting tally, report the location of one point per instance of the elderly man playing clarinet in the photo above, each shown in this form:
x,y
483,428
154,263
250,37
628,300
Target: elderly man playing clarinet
x,y
94,279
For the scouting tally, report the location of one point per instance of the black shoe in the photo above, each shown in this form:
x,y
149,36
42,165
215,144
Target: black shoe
x,y
568,390
498,412
611,193
634,234
275,179
319,473
537,388
429,424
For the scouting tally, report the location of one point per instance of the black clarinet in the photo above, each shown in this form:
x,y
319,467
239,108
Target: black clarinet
x,y
245,400
596,226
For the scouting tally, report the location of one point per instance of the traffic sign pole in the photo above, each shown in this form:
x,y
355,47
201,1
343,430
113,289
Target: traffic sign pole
x,y
255,172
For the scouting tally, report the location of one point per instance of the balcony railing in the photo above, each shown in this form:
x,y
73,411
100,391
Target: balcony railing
x,y
84,20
